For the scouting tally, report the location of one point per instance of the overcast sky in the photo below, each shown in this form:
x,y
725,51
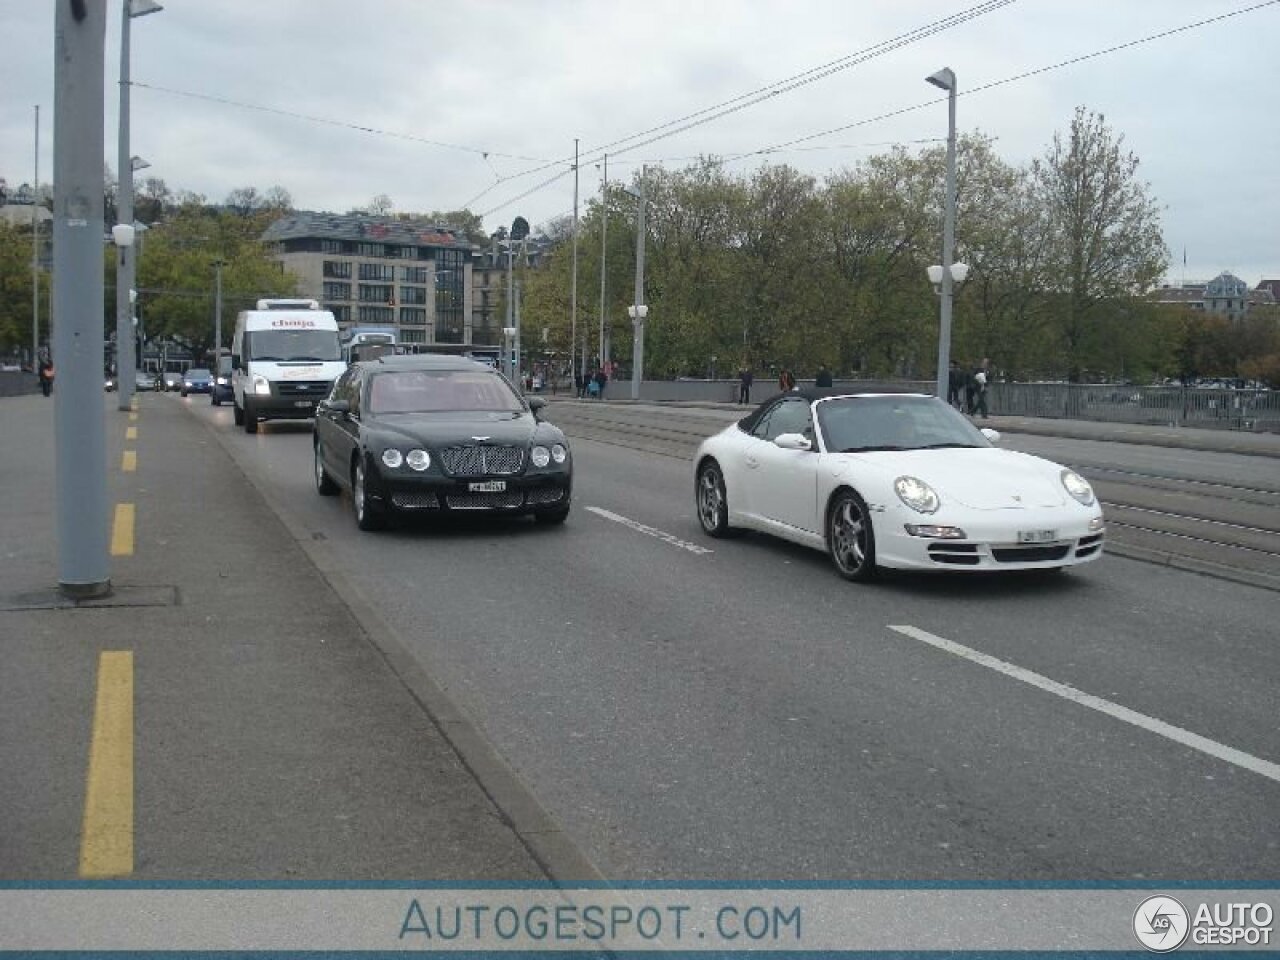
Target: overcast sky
x,y
520,79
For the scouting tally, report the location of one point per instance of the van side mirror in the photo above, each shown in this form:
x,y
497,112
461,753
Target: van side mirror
x,y
235,361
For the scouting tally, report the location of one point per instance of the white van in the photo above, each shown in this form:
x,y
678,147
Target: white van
x,y
284,359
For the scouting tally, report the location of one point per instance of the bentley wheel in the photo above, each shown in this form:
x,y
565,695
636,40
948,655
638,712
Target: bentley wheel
x,y
367,517
324,483
238,414
850,537
713,505
552,516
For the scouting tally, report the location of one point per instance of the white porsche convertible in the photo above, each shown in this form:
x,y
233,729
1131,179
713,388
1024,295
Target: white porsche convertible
x,y
893,480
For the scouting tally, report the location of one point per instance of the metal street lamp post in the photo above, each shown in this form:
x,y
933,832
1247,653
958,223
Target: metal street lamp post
x,y
124,207
946,80
638,311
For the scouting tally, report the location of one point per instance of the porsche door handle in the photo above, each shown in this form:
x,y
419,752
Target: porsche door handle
x,y
752,463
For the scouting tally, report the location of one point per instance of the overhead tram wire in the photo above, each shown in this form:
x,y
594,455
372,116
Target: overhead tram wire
x,y
760,94
790,144
981,88
344,124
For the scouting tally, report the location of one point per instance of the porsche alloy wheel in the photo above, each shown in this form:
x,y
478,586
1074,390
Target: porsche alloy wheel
x,y
850,537
367,518
713,505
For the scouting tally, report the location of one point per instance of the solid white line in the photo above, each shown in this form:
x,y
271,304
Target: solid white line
x,y
650,531
1214,749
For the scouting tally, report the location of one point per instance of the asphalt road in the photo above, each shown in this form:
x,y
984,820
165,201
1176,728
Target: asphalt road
x,y
690,708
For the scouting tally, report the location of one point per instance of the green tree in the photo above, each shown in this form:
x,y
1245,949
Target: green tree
x,y
1104,230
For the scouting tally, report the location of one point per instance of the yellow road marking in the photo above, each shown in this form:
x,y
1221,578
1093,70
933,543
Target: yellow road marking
x,y
106,837
133,416
131,433
129,462
122,530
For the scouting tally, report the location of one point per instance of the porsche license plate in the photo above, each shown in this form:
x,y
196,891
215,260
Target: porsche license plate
x,y
488,486
1037,536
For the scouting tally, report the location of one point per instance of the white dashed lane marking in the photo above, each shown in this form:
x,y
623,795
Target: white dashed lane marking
x,y
1214,749
650,531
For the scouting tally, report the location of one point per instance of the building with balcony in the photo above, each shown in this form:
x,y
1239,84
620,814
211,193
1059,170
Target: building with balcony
x,y
1225,295
382,270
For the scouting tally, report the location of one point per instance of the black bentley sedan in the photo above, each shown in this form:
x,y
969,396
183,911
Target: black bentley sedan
x,y
438,434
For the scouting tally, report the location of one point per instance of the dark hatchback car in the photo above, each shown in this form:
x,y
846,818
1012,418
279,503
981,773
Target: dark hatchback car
x,y
431,434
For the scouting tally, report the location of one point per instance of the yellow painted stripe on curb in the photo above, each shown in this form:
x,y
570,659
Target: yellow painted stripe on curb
x,y
131,433
106,837
129,461
122,530
133,416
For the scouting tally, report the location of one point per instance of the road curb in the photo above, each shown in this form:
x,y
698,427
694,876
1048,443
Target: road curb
x,y
1193,565
540,834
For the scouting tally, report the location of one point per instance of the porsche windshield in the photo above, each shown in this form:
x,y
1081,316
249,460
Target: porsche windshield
x,y
284,345
439,391
856,424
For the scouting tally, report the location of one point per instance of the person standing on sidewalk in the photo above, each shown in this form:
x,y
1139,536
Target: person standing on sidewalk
x,y
744,384
823,378
981,376
46,375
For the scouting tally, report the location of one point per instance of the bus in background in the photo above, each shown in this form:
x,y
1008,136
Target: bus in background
x,y
481,353
368,343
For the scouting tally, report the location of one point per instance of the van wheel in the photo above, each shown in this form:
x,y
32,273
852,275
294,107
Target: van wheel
x,y
238,414
250,420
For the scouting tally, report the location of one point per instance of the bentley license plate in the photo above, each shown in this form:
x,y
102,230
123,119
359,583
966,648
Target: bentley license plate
x,y
1037,536
488,486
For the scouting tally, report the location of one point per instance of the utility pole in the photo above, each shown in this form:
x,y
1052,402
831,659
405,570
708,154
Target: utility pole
x,y
604,249
35,251
80,32
125,335
217,320
573,296
639,309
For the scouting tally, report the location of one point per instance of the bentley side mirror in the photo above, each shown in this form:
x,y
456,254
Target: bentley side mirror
x,y
536,404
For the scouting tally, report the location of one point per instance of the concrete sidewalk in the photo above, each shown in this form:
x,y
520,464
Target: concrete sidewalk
x,y
271,736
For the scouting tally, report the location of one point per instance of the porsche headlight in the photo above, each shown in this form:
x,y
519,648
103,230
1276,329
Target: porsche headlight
x,y
392,457
418,459
261,386
540,456
917,494
558,453
1078,487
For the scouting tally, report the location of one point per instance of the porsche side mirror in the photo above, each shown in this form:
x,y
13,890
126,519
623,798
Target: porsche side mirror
x,y
793,441
992,435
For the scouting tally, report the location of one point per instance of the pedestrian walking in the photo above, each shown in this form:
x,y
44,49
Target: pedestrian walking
x,y
955,383
580,381
745,378
981,376
824,377
601,380
46,375
786,381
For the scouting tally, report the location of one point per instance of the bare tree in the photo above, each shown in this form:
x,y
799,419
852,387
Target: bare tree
x,y
277,198
244,200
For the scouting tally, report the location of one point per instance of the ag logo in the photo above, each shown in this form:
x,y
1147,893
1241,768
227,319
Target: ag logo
x,y
1161,924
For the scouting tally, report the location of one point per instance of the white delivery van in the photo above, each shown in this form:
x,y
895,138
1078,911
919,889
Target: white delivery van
x,y
284,358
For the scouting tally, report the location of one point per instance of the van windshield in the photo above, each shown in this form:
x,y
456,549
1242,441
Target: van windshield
x,y
282,345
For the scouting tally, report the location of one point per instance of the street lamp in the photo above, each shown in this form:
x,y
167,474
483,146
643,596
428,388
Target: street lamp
x,y
638,311
945,79
124,204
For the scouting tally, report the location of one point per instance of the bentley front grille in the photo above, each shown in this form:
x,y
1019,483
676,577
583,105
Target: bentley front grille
x,y
482,461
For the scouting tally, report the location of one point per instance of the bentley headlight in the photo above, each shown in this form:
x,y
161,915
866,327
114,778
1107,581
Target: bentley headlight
x,y
540,456
261,386
1078,487
559,453
418,459
917,494
392,457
